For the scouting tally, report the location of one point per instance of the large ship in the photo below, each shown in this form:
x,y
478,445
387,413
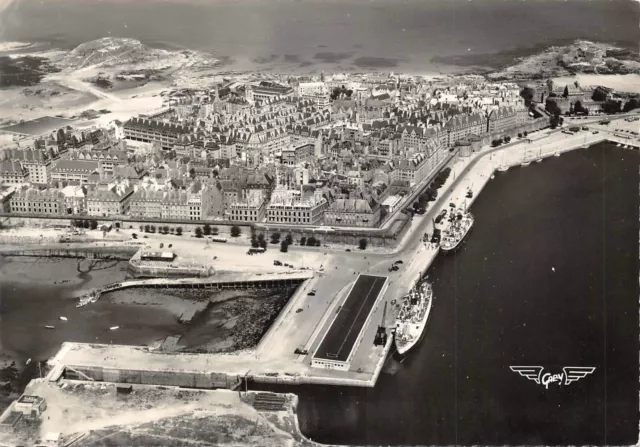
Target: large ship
x,y
413,316
460,223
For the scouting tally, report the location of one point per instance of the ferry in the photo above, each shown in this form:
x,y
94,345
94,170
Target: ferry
x,y
413,317
460,225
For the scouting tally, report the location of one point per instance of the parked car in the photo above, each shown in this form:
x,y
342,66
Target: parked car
x,y
399,261
277,263
312,293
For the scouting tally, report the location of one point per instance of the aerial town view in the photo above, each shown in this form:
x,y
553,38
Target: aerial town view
x,y
306,222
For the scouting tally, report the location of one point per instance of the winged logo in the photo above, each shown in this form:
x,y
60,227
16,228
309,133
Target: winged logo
x,y
530,372
574,373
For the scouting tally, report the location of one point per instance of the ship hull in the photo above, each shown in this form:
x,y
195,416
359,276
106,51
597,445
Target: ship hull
x,y
404,348
453,248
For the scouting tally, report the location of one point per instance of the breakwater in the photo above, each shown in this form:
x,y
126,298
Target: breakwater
x,y
121,254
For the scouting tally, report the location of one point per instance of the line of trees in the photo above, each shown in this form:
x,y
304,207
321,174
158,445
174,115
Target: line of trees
x,y
161,229
85,223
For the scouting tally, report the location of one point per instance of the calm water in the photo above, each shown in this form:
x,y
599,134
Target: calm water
x,y
499,303
26,308
327,34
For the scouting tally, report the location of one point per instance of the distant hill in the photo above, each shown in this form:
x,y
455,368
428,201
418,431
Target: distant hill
x,y
111,52
581,56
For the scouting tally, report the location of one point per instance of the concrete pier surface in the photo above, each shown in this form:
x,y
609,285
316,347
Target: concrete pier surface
x,y
303,323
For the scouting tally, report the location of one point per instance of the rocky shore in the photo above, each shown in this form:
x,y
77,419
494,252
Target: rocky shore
x,y
581,56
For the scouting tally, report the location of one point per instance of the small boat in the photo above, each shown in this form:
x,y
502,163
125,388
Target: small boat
x,y
113,328
492,176
28,361
50,327
63,318
503,168
538,160
557,154
526,163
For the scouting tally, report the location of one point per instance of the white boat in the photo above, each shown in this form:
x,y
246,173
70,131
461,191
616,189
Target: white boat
x,y
28,361
557,154
63,318
527,163
460,225
492,176
50,327
503,168
113,328
413,317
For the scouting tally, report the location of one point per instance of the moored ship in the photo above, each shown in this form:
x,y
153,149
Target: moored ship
x,y
413,317
460,224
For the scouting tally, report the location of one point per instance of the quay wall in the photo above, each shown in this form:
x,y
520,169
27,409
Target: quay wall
x,y
186,379
120,254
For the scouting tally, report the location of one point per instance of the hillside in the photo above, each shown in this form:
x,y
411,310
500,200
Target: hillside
x,y
111,52
579,57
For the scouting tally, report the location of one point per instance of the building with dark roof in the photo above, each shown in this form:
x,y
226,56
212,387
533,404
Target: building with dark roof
x,y
148,131
37,162
13,172
353,213
29,200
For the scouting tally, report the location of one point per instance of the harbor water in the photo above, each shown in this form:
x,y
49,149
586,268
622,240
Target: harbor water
x,y
549,277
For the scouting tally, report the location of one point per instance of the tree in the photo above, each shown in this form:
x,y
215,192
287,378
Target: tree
x,y
289,239
362,244
94,224
167,229
179,231
611,106
431,194
262,243
318,243
254,241
86,224
141,228
311,241
215,230
579,108
161,245
134,235
198,232
235,231
520,135
525,133
633,103
147,228
192,172
153,228
206,229
284,246
275,238
303,240
507,138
